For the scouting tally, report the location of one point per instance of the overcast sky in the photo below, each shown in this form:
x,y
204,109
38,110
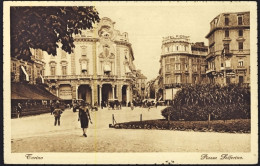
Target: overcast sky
x,y
147,23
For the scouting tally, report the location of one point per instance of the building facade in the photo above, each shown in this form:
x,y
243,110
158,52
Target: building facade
x,y
140,84
229,49
29,71
100,67
182,62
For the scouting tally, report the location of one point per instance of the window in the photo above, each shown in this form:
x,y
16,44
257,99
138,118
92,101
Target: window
x,y
64,70
53,70
226,21
38,53
240,46
195,68
226,33
240,33
14,67
241,62
172,60
168,80
177,48
167,59
168,68
177,66
226,47
222,64
83,50
240,20
178,79
170,48
186,67
166,49
240,79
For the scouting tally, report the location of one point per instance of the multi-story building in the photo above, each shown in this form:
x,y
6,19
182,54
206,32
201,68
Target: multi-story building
x,y
140,84
30,71
100,67
182,62
229,49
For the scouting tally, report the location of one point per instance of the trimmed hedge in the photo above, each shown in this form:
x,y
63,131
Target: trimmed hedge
x,y
232,126
195,103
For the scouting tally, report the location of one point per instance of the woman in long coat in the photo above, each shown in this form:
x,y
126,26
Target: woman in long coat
x,y
84,117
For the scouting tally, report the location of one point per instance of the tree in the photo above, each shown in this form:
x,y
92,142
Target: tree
x,y
44,27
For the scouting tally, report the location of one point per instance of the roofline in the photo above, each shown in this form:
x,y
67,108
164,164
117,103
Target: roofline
x,y
214,29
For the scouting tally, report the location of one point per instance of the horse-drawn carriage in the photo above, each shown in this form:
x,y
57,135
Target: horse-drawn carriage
x,y
114,104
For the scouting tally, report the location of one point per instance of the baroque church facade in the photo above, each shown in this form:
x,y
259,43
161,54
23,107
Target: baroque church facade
x,y
100,68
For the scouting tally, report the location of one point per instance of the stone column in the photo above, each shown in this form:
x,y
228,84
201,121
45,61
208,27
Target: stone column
x,y
92,94
119,92
127,95
100,94
113,91
57,90
77,95
94,83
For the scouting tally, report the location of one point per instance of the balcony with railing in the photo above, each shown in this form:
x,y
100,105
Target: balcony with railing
x,y
210,70
226,68
177,71
210,55
241,67
68,77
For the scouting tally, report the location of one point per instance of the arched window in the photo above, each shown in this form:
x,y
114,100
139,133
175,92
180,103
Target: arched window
x,y
64,68
53,68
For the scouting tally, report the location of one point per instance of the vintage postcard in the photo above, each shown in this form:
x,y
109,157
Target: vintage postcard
x,y
130,82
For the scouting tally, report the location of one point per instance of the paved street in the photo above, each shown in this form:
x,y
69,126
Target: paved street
x,y
38,134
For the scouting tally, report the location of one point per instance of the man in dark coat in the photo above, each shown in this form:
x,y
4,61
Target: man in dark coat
x,y
57,114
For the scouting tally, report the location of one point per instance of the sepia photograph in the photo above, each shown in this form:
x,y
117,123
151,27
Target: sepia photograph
x,y
130,82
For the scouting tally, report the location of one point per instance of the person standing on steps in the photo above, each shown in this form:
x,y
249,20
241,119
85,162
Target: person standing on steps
x,y
57,114
84,117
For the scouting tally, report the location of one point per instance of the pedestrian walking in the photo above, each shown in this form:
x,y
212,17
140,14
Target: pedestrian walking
x,y
19,110
52,107
84,117
57,114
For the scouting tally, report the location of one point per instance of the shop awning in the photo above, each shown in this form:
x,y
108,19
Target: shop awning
x,y
23,91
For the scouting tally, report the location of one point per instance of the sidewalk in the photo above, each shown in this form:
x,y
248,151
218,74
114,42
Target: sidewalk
x,y
38,134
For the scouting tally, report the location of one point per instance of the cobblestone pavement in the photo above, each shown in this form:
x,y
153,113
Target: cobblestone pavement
x,y
38,134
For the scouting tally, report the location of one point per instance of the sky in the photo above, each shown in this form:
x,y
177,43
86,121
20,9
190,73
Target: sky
x,y
147,23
